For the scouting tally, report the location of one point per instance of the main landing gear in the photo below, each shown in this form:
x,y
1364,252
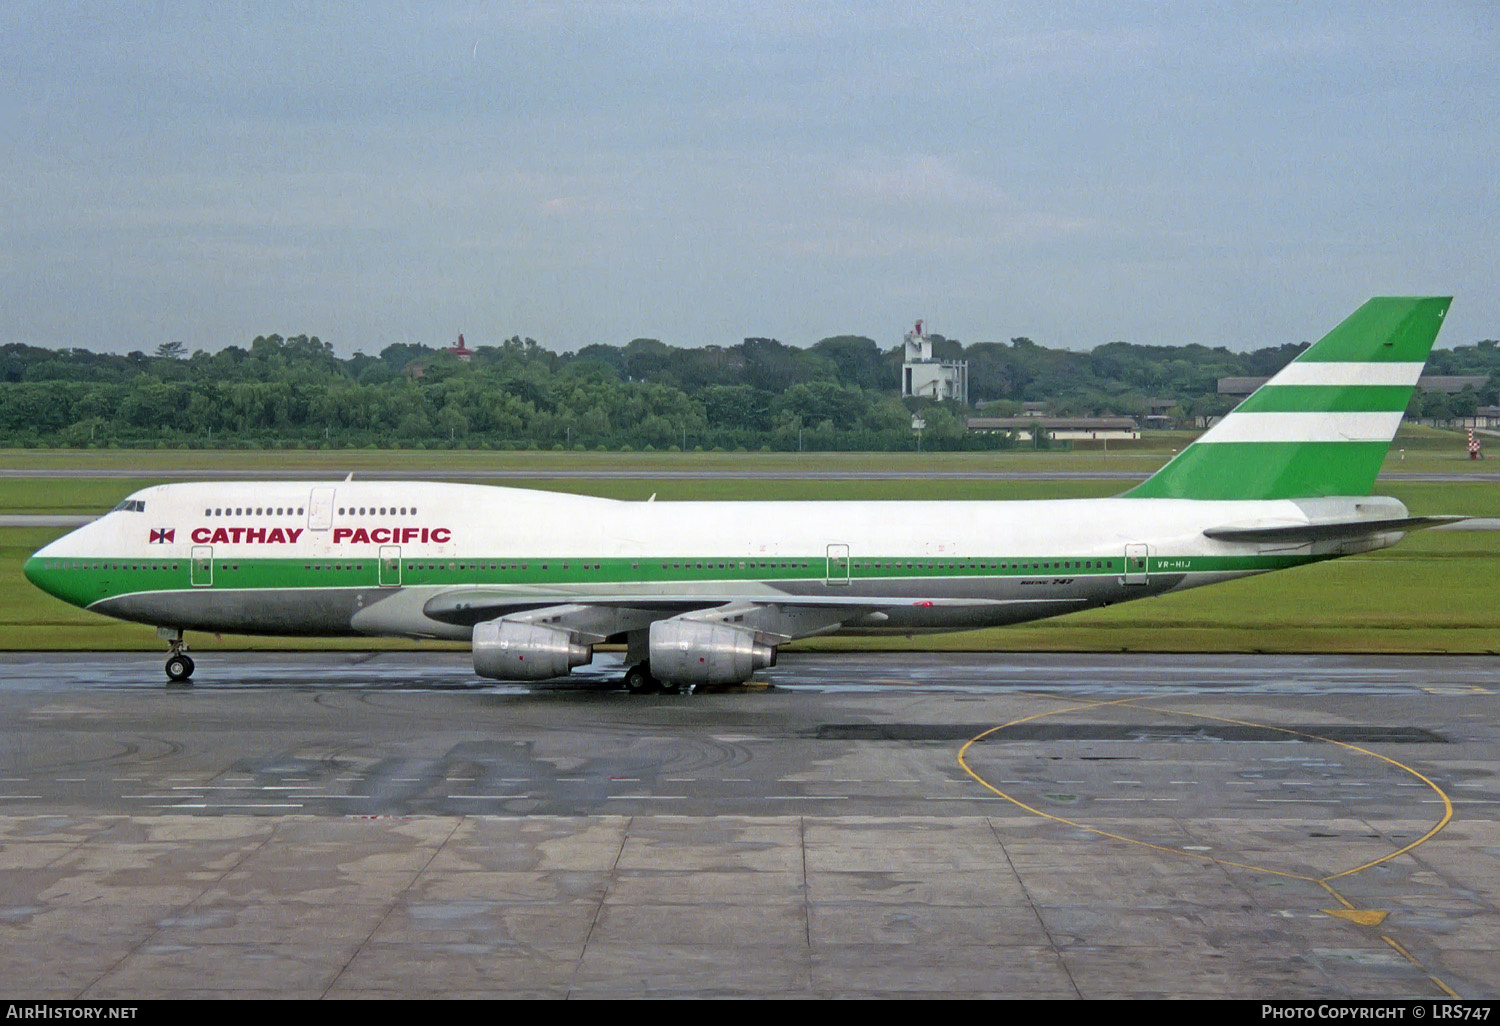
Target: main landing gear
x,y
638,681
179,664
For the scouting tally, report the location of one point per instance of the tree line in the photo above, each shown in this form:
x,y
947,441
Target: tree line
x,y
840,393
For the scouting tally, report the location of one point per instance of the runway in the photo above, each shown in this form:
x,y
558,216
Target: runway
x,y
861,825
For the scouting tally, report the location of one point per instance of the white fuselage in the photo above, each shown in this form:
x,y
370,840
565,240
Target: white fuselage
x,y
426,559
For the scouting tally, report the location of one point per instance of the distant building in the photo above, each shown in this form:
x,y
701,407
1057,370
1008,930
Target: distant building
x,y
1061,428
1160,413
1485,418
1451,384
924,376
462,351
1240,386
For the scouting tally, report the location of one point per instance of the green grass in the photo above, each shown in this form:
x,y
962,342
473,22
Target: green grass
x,y
86,496
1426,450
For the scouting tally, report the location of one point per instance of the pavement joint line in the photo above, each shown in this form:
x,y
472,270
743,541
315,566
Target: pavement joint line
x,y
614,870
391,907
1031,904
177,913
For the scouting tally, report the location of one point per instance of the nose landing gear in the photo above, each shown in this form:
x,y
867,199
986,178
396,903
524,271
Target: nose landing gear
x,y
179,664
179,667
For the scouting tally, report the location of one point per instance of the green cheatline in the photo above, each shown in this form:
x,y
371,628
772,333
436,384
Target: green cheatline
x,y
1382,331
84,581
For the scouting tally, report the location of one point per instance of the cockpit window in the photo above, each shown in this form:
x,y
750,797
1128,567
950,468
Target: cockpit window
x,y
133,505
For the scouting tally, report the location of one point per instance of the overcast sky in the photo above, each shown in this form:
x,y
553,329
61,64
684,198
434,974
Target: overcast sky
x,y
698,172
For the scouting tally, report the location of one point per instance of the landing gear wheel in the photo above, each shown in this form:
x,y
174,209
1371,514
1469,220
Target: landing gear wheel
x,y
669,689
638,680
179,667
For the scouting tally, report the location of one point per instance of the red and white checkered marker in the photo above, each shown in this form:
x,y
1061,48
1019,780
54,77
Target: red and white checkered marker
x,y
1473,445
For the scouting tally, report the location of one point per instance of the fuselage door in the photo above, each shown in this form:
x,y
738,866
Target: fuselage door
x,y
202,566
390,566
838,564
320,509
1137,564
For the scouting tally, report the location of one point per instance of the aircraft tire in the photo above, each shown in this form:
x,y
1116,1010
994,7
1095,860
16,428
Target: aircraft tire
x,y
179,667
638,680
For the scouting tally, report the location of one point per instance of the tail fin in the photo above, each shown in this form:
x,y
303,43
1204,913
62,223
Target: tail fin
x,y
1323,425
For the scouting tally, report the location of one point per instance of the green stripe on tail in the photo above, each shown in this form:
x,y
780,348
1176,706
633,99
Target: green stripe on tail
x,y
1323,425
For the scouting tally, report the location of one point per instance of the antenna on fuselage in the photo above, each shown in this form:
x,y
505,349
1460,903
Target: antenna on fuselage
x,y
349,478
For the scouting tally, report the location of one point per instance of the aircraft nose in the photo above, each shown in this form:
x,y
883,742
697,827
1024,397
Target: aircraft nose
x,y
38,573
45,570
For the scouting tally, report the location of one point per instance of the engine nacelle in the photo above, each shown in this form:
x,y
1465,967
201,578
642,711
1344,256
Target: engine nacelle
x,y
695,652
512,650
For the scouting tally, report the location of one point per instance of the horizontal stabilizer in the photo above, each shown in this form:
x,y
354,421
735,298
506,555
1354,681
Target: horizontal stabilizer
x,y
1323,530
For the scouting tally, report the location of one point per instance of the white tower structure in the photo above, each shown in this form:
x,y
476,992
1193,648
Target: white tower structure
x,y
922,375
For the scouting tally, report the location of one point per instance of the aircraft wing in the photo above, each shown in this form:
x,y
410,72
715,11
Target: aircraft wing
x,y
779,618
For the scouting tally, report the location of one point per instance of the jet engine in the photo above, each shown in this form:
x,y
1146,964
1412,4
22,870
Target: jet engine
x,y
697,652
516,650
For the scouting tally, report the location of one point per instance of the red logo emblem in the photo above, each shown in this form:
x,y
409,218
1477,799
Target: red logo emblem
x,y
162,536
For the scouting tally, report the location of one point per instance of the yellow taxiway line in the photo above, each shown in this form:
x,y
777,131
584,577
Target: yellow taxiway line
x,y
1363,917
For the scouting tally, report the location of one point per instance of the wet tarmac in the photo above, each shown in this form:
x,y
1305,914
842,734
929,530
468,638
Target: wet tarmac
x,y
349,824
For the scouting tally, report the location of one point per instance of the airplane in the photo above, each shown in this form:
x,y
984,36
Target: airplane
x,y
707,592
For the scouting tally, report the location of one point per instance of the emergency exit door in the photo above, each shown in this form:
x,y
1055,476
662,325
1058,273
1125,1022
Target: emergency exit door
x,y
320,509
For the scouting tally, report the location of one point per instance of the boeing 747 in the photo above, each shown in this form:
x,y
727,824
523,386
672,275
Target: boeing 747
x,y
706,592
